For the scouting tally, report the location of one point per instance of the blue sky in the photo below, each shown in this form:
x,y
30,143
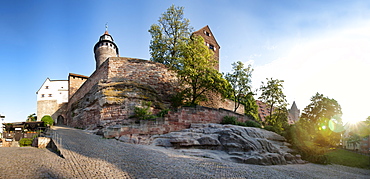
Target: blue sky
x,y
314,46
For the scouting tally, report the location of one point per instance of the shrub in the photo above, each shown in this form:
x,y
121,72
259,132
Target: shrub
x,y
269,128
144,112
163,113
47,120
229,120
25,142
252,124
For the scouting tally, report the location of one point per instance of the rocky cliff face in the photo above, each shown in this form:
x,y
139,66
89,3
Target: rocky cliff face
x,y
228,142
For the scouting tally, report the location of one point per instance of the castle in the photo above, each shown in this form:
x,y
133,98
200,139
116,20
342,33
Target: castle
x,y
115,88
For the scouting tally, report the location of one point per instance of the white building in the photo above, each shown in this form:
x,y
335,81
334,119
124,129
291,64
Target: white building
x,y
51,95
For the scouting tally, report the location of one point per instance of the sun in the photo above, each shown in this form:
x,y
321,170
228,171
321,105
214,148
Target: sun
x,y
353,121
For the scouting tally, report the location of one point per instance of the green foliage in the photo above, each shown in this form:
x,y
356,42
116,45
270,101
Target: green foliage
x,y
252,124
322,121
25,142
239,80
272,94
144,112
168,36
31,117
250,107
232,120
173,45
48,120
354,140
347,158
163,113
229,120
298,136
197,75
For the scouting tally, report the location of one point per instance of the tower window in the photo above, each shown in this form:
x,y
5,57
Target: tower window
x,y
211,47
46,87
43,95
50,95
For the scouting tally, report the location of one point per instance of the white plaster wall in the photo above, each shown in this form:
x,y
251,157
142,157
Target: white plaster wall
x,y
58,89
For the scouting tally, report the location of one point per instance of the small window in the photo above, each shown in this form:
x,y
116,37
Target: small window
x,y
211,47
207,33
43,95
50,95
61,87
46,87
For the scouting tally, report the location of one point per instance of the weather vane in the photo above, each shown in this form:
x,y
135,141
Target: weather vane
x,y
106,26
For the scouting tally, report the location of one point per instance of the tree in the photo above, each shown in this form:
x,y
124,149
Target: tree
x,y
196,73
354,139
239,80
168,36
272,94
322,118
48,120
31,117
250,106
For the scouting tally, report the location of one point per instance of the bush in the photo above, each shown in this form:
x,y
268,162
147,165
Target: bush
x,y
229,120
252,124
163,113
47,120
144,112
269,128
25,142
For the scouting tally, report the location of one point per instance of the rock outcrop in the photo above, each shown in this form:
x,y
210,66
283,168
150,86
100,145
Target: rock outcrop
x,y
233,143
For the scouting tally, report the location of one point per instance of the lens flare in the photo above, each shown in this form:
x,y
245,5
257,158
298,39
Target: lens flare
x,y
335,127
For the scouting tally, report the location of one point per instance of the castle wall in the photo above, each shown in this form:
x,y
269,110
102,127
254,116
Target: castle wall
x,y
46,107
75,82
145,72
100,74
174,121
117,87
120,84
216,101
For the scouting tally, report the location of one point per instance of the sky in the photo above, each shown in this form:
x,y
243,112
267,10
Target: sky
x,y
313,46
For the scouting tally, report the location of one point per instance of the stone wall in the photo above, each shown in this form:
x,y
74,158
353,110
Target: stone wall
x,y
119,85
75,81
46,107
216,101
174,121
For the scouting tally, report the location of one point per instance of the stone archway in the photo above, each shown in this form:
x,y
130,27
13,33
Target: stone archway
x,y
60,120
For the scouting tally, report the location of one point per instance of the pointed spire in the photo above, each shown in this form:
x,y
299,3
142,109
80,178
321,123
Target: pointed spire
x,y
106,28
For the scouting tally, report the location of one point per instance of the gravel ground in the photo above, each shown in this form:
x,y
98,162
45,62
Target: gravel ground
x,y
90,156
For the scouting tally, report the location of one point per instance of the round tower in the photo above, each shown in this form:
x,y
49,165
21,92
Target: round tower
x,y
105,48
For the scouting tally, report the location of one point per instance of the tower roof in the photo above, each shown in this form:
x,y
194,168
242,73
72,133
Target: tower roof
x,y
208,37
294,106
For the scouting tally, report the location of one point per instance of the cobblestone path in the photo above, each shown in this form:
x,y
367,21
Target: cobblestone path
x,y
90,156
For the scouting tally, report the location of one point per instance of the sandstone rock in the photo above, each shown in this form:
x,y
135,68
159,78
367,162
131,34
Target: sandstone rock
x,y
127,139
234,143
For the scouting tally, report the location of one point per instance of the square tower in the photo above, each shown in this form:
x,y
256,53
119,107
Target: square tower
x,y
210,42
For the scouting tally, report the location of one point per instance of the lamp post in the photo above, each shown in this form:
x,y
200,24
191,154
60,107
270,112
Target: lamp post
x,y
2,127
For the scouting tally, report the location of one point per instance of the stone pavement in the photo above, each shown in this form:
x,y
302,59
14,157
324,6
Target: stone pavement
x,y
90,156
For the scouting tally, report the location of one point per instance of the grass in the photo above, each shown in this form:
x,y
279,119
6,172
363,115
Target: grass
x,y
347,158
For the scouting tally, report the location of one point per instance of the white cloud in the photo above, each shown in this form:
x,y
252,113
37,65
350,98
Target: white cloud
x,y
337,66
